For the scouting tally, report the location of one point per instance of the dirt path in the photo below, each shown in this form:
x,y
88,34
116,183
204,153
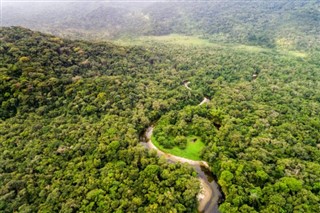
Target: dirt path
x,y
186,85
174,158
205,100
209,194
204,195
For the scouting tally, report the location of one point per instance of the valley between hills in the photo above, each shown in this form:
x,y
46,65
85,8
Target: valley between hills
x,y
160,107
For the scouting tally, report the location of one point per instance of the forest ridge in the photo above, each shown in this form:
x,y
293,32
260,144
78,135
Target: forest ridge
x,y
282,24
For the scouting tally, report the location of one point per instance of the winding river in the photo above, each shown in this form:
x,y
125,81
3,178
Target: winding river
x,y
210,194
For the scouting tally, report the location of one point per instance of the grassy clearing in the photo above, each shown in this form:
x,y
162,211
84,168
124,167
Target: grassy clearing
x,y
297,54
174,39
249,48
192,151
182,40
194,41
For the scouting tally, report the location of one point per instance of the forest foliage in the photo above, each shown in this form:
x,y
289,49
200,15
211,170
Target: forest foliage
x,y
72,112
265,146
189,130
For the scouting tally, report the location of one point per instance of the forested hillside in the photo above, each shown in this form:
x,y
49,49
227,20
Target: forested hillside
x,y
261,127
72,112
282,24
266,23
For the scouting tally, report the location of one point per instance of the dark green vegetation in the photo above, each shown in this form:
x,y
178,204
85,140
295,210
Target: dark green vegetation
x,y
185,133
265,23
71,113
266,153
70,117
283,23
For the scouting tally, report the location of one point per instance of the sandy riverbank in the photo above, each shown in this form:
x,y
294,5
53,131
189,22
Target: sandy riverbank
x,y
206,194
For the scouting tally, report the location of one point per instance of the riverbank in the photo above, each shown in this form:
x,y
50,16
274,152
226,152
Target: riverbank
x,y
204,195
209,195
174,158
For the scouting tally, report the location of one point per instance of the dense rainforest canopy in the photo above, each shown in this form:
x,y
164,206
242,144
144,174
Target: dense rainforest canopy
x,y
72,111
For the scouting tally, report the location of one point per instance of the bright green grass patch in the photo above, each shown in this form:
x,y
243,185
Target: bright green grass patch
x,y
192,150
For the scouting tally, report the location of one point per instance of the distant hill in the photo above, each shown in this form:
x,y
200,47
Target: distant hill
x,y
293,25
264,23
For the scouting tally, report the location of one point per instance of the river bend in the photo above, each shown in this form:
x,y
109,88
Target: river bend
x,y
210,194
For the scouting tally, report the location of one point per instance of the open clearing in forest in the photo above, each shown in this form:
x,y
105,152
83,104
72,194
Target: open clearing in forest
x,y
192,150
195,41
168,39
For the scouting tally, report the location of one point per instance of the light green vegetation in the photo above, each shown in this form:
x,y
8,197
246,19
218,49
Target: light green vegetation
x,y
197,42
185,133
192,151
175,39
297,53
180,40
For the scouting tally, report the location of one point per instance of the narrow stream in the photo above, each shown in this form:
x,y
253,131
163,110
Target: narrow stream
x,y
211,190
